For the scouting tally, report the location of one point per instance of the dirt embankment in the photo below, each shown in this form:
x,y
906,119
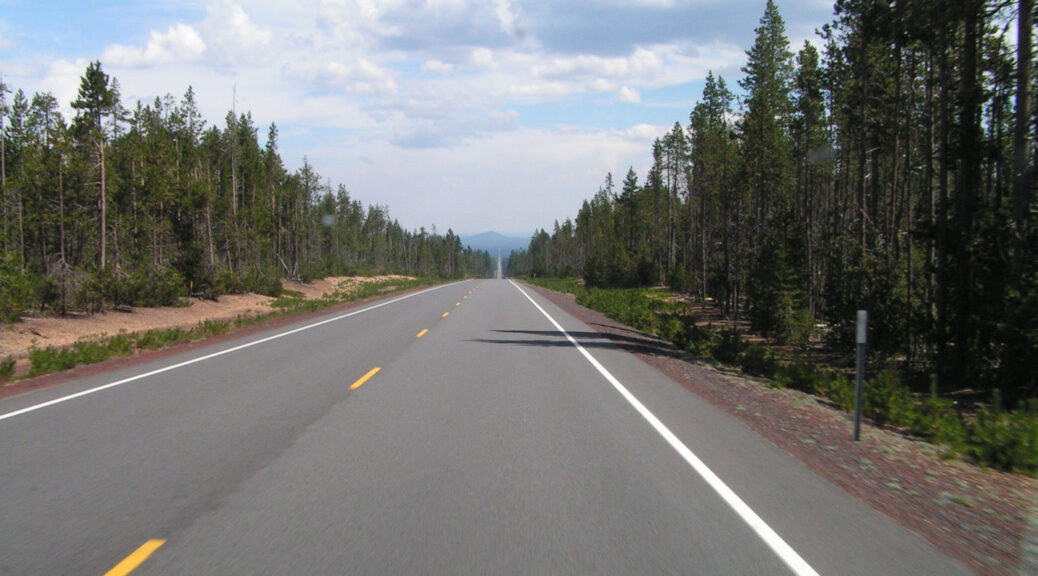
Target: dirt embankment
x,y
43,331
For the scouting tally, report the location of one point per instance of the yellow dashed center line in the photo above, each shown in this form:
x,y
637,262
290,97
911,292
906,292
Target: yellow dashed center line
x,y
422,333
446,314
365,378
457,304
131,562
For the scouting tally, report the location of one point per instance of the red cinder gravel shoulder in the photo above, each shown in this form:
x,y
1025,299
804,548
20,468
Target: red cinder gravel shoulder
x,y
985,518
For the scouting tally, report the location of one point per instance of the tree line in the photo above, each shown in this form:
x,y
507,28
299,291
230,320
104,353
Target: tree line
x,y
891,171
143,205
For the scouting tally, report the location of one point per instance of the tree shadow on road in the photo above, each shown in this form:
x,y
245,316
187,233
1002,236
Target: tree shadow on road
x,y
638,344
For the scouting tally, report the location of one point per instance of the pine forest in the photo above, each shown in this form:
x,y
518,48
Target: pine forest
x,y
145,205
891,171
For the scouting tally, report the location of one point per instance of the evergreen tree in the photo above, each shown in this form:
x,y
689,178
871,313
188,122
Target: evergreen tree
x,y
96,100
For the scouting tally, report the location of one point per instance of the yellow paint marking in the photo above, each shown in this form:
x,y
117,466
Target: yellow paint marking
x,y
464,297
422,333
446,314
365,378
131,562
457,304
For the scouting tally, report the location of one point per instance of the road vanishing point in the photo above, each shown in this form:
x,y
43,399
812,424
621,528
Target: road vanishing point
x,y
469,428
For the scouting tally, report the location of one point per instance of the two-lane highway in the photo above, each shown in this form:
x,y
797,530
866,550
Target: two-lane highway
x,y
457,430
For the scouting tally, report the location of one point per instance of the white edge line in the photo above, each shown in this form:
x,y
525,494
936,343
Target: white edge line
x,y
770,537
211,356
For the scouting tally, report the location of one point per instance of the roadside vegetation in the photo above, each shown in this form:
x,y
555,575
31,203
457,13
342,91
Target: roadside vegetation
x,y
889,168
142,204
55,359
985,433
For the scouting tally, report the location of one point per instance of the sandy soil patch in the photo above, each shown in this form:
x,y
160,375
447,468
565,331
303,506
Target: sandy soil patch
x,y
16,339
327,287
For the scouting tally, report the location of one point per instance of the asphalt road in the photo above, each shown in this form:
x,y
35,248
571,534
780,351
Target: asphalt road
x,y
489,444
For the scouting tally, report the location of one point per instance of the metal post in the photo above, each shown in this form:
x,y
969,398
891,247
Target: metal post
x,y
863,318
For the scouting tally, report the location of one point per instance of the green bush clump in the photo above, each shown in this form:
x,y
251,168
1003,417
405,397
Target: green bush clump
x,y
758,360
259,281
938,421
800,376
6,368
1003,439
839,390
47,360
141,288
729,347
208,328
681,329
15,290
888,401
156,339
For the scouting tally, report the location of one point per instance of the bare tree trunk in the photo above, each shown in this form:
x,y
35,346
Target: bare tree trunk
x,y
3,173
21,230
61,212
209,230
1022,173
104,233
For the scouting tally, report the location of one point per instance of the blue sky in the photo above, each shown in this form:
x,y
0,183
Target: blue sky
x,y
471,114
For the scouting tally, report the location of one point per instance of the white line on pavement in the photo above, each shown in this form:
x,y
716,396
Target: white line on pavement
x,y
211,356
770,537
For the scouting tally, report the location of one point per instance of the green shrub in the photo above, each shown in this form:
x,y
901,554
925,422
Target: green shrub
x,y
7,368
939,422
800,376
208,328
1007,440
15,290
156,339
757,360
90,352
47,360
839,390
888,401
729,347
800,330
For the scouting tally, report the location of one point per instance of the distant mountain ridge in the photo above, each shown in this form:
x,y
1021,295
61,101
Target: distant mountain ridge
x,y
495,242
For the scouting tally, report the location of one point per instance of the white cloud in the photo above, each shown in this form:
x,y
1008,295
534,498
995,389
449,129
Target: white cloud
x,y
628,95
6,43
503,9
514,181
358,75
62,80
482,57
232,36
645,133
353,20
181,43
642,64
437,66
